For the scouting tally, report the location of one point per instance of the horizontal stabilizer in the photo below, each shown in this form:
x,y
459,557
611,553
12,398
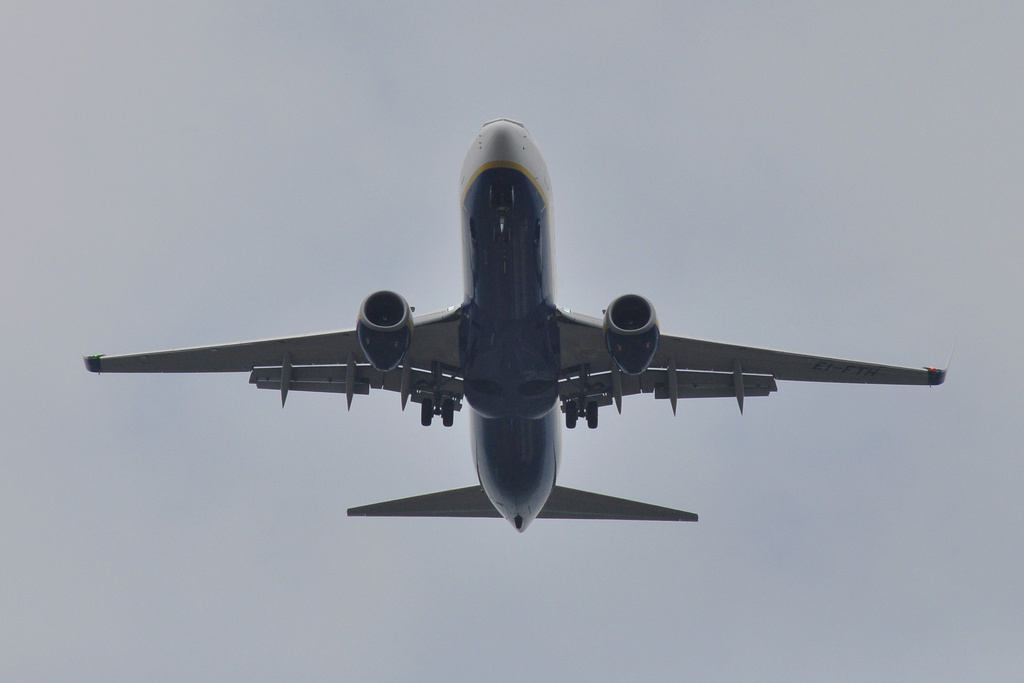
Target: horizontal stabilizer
x,y
468,502
564,503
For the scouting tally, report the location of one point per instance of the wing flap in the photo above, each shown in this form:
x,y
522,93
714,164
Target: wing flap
x,y
331,379
689,383
711,384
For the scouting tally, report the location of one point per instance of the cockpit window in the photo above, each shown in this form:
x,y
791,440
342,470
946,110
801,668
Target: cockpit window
x,y
503,196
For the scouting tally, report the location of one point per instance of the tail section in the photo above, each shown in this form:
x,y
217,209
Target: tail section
x,y
564,503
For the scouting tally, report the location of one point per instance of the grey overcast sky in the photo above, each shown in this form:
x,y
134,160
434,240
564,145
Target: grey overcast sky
x,y
833,181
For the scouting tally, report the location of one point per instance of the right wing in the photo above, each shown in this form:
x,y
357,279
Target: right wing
x,y
326,362
694,368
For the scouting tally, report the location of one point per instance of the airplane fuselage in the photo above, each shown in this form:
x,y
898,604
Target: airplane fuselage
x,y
509,356
508,337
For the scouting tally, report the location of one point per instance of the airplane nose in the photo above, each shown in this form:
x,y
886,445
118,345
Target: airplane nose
x,y
503,140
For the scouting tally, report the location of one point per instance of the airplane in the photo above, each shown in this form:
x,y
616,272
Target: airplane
x,y
518,363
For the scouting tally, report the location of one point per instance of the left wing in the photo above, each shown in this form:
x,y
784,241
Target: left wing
x,y
693,368
330,361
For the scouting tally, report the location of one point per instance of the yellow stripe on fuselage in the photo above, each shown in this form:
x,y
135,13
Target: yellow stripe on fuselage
x,y
504,164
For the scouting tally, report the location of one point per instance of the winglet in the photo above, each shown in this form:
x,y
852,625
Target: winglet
x,y
937,377
92,363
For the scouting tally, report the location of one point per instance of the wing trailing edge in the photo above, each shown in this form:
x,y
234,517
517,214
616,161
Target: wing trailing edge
x,y
564,503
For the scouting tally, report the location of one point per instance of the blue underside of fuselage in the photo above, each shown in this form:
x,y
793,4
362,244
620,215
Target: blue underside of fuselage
x,y
509,342
517,462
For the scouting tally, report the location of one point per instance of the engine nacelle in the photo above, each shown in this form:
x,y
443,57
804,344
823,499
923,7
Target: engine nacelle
x,y
384,329
631,333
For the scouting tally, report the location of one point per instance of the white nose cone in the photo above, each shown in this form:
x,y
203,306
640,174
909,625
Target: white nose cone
x,y
504,142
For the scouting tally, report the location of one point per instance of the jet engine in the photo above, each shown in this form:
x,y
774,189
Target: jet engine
x,y
631,333
384,329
